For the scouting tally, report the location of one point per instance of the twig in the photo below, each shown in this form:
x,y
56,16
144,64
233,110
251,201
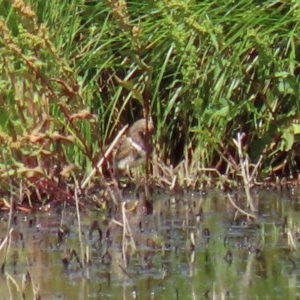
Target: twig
x,y
255,168
124,244
104,157
79,227
6,239
244,166
126,231
239,209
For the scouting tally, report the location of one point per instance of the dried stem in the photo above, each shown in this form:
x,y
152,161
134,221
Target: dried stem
x,y
244,167
240,209
104,157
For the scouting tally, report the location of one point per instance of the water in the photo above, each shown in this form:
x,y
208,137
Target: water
x,y
192,246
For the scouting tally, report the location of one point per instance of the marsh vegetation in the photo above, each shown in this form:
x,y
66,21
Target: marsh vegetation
x,y
208,73
218,83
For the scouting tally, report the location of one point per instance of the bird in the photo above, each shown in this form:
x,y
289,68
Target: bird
x,y
131,151
134,147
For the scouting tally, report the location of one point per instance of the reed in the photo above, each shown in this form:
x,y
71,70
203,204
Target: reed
x,y
73,74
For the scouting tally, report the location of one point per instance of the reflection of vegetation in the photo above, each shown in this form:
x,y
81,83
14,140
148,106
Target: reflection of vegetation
x,y
193,246
197,67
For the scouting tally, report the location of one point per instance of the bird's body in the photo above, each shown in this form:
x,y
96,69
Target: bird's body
x,y
133,148
126,152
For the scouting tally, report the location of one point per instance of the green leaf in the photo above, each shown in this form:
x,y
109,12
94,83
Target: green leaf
x,y
296,128
288,138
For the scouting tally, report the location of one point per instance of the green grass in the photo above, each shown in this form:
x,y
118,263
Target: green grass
x,y
73,73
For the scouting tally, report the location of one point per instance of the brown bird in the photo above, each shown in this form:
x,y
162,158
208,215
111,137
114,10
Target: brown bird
x,y
133,148
131,152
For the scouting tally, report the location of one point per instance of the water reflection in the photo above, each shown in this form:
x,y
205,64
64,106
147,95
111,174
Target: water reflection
x,y
189,246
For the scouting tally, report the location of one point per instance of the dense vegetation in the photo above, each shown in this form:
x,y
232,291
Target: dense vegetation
x,y
219,78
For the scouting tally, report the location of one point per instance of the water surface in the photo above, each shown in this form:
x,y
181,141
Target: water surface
x,y
191,246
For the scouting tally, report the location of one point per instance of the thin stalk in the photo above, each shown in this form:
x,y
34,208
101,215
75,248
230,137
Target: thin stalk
x,y
104,157
240,209
244,167
79,228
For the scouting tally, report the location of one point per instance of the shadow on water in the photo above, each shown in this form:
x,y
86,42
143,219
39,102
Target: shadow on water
x,y
191,246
